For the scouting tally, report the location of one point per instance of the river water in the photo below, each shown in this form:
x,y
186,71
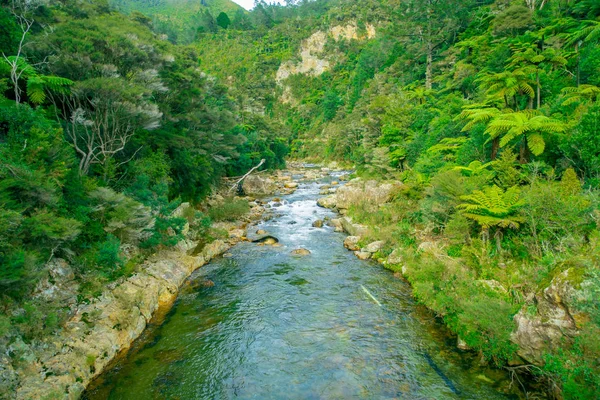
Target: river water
x,y
278,326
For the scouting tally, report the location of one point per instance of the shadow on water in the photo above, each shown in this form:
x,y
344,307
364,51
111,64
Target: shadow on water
x,y
275,326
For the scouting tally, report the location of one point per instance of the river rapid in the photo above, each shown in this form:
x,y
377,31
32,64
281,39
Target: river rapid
x,y
278,326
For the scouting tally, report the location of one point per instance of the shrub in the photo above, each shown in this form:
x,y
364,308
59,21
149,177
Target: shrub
x,y
230,210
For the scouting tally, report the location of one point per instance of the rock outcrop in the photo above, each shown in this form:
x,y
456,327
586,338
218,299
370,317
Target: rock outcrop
x,y
60,366
313,61
255,185
554,320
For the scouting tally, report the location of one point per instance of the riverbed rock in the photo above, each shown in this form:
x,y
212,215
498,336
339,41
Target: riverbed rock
x,y
237,233
255,185
261,232
291,185
301,252
327,201
214,249
336,224
362,255
352,228
266,239
351,243
318,223
374,247
554,321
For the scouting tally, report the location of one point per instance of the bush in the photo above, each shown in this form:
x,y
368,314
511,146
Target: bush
x,y
230,210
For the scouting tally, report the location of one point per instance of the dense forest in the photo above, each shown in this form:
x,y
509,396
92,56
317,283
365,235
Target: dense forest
x,y
486,110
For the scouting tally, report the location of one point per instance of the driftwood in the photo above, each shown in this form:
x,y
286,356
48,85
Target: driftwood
x,y
241,180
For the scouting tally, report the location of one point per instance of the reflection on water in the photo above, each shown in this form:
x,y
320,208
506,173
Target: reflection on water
x,y
275,326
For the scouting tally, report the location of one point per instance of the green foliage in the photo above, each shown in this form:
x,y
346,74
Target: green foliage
x,y
230,210
493,207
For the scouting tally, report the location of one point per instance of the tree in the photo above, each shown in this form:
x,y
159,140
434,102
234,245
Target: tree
x,y
37,84
103,114
493,208
478,115
223,20
534,60
529,125
21,11
435,23
508,85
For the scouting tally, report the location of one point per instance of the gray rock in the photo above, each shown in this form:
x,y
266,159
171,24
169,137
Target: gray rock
x,y
255,185
362,255
351,243
395,258
374,247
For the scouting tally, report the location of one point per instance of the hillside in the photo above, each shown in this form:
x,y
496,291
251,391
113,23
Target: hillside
x,y
180,20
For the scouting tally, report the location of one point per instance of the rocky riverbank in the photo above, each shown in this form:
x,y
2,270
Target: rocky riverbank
x,y
60,366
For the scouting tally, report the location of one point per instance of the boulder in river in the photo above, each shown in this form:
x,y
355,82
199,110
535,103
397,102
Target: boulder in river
x,y
255,185
291,185
351,243
267,239
301,252
318,223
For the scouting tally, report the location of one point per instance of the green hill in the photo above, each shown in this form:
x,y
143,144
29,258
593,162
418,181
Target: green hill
x,y
180,19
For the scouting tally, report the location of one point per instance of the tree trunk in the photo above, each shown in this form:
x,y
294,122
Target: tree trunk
x,y
539,89
429,70
495,147
524,151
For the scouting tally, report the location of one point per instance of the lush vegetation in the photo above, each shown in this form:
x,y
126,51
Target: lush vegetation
x,y
486,110
105,128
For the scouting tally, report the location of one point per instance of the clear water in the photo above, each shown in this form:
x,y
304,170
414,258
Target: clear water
x,y
277,326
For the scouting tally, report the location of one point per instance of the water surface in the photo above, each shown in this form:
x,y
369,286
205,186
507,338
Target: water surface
x,y
277,326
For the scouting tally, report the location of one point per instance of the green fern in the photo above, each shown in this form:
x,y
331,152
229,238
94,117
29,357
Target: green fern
x,y
529,124
37,84
493,207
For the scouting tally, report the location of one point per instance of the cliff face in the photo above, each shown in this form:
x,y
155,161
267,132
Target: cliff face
x,y
314,61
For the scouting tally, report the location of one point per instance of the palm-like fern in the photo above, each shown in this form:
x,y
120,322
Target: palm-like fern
x,y
529,125
477,115
493,207
37,84
589,33
507,85
581,93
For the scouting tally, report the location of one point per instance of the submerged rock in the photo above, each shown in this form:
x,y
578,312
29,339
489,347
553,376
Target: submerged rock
x,y
318,223
291,185
301,252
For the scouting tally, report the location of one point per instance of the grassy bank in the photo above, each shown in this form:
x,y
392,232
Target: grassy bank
x,y
479,258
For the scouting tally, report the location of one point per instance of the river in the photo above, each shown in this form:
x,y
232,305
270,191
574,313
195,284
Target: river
x,y
279,326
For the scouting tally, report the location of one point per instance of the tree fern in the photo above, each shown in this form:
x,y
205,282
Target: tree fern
x,y
493,207
528,124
